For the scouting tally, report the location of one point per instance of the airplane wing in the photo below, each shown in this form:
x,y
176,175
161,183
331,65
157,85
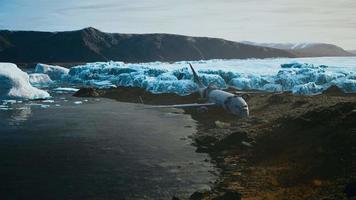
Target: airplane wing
x,y
191,105
239,92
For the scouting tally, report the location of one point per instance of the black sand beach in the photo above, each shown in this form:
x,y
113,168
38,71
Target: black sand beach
x,y
292,147
98,149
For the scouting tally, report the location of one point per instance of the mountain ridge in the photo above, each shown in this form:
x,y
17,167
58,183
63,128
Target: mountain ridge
x,y
90,44
352,51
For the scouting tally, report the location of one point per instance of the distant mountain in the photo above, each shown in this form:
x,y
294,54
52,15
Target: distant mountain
x,y
352,51
307,49
90,44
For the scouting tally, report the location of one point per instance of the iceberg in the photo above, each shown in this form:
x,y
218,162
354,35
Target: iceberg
x,y
53,71
348,85
213,79
38,79
271,87
303,76
64,89
103,84
308,88
182,87
15,84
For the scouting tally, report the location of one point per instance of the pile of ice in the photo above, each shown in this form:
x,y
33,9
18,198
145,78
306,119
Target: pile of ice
x,y
268,75
299,78
53,71
15,84
112,74
37,79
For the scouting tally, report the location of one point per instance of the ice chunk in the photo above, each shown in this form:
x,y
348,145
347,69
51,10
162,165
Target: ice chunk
x,y
242,83
328,77
250,82
103,84
124,79
40,79
154,72
212,79
15,84
166,77
9,101
290,65
48,101
307,89
53,71
182,87
348,85
271,87
226,75
63,89
182,73
299,74
118,71
45,106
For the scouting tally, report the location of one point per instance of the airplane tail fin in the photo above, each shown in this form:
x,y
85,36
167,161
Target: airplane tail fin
x,y
196,78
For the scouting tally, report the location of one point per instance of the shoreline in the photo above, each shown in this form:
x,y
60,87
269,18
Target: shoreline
x,y
292,147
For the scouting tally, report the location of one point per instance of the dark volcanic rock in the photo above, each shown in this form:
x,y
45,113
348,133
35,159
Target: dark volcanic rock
x,y
229,196
196,196
175,198
88,92
334,91
89,44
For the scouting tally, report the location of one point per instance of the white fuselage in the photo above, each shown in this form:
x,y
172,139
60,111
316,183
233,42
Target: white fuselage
x,y
234,104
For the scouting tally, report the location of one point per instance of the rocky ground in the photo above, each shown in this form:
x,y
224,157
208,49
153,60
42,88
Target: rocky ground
x,y
292,147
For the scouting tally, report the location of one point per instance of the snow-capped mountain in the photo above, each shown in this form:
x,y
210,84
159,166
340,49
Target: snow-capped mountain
x,y
307,49
352,51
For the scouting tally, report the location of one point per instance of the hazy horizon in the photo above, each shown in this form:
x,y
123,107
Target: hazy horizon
x,y
276,21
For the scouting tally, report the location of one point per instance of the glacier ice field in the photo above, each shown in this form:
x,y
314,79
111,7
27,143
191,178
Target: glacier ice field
x,y
303,76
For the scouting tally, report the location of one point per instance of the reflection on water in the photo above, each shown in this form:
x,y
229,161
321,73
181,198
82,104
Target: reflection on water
x,y
98,149
15,112
19,115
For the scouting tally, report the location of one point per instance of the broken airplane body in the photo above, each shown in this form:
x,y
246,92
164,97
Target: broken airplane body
x,y
230,102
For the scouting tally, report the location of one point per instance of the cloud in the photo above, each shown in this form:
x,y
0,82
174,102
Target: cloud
x,y
257,20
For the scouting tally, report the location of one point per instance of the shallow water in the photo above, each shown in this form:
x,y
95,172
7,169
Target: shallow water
x,y
72,148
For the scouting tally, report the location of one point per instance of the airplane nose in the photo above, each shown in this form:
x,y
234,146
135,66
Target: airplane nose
x,y
245,113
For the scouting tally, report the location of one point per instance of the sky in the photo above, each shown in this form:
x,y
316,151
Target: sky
x,y
329,21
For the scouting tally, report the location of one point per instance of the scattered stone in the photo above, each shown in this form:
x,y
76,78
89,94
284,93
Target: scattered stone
x,y
229,196
334,91
317,183
87,92
232,140
246,144
206,140
220,124
175,198
196,196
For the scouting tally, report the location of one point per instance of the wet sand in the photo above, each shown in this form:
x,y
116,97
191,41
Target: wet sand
x,y
100,149
292,147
